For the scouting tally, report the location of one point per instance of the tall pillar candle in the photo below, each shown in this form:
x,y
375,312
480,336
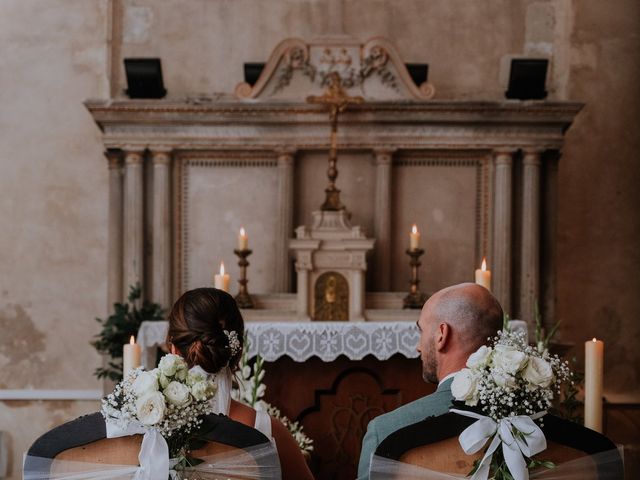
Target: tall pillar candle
x,y
414,238
221,280
243,240
131,353
593,372
483,276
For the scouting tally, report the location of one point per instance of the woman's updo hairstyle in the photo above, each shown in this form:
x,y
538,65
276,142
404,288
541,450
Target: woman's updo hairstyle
x,y
197,323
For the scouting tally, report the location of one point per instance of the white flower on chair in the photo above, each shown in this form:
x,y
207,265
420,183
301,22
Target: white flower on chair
x,y
464,387
145,382
509,359
480,357
150,408
177,393
538,372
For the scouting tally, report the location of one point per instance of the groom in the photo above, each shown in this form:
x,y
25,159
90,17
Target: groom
x,y
453,324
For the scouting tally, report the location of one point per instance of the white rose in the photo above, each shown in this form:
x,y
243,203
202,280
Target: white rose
x,y
182,371
479,358
464,388
177,393
150,408
503,379
169,364
164,380
538,372
509,359
203,390
145,383
196,374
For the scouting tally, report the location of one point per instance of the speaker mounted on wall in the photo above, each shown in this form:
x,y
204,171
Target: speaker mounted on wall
x,y
527,79
144,78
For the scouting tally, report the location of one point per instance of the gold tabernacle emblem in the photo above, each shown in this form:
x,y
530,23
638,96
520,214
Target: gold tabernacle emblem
x,y
331,297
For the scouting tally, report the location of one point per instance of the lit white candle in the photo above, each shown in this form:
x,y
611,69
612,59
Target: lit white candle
x,y
483,276
243,240
131,353
593,371
414,238
221,280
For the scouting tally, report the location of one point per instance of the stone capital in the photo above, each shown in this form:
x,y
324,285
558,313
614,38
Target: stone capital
x,y
285,155
133,158
503,156
114,157
384,156
531,156
160,148
161,157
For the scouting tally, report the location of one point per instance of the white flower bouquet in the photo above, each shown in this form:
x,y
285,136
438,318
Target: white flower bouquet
x,y
170,399
514,385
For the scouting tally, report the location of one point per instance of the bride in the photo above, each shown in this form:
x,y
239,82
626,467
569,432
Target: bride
x,y
206,329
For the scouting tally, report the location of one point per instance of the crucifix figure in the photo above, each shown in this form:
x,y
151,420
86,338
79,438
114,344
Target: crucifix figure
x,y
337,100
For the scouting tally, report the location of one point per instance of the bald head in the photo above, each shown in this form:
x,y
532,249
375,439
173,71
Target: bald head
x,y
454,323
471,310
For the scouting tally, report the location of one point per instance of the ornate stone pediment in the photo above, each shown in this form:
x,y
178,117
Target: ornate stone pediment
x,y
373,70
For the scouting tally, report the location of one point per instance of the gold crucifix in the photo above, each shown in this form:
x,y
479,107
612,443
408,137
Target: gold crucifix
x,y
337,100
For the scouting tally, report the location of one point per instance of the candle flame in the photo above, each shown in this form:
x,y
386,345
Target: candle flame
x,y
594,339
221,268
484,264
132,340
242,232
414,229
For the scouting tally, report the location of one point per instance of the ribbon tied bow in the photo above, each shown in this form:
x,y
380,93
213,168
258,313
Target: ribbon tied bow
x,y
519,435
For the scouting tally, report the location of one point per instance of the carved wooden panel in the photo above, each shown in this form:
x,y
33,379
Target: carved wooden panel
x,y
336,400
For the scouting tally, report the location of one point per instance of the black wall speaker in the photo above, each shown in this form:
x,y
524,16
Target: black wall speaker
x,y
144,78
527,79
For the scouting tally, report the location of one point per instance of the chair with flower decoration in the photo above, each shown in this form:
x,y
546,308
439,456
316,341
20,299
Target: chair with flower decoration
x,y
430,450
80,449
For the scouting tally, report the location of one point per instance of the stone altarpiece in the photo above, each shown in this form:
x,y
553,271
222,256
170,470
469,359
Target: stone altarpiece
x,y
478,178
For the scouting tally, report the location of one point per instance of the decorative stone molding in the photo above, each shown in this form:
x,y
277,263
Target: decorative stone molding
x,y
373,68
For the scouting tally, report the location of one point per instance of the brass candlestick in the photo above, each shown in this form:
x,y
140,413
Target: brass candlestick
x,y
415,298
243,299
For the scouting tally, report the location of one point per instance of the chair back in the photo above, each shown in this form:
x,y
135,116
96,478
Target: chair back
x,y
433,444
84,440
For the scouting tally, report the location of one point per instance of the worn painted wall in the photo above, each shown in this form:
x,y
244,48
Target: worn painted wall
x,y
53,178
53,209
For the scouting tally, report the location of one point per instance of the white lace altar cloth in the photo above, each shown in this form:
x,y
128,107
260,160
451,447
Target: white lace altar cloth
x,y
303,340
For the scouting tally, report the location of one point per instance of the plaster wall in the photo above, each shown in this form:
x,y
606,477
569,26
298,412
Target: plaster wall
x,y
53,184
53,177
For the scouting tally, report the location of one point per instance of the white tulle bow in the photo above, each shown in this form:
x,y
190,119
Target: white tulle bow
x,y
154,451
529,441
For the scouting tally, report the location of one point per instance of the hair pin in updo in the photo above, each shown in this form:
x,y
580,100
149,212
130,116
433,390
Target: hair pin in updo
x,y
234,342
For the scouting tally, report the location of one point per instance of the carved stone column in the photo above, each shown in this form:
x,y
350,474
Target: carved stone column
x,y
530,248
114,253
133,247
161,283
382,221
285,219
502,211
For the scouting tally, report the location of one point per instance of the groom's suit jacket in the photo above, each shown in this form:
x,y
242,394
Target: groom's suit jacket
x,y
380,427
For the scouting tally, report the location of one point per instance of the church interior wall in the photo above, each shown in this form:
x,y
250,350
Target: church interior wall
x,y
53,176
